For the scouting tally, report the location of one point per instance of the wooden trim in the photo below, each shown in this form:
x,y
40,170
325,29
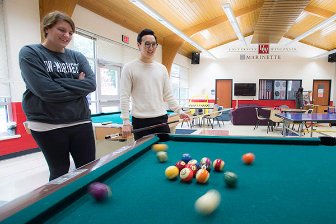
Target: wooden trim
x,y
170,47
47,6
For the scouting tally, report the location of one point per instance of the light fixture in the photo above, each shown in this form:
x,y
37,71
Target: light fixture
x,y
206,34
313,30
327,30
141,5
301,16
232,19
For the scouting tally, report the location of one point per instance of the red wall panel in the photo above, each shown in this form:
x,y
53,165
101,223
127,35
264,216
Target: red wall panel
x,y
25,142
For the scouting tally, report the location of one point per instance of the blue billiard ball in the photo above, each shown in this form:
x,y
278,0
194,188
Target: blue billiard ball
x,y
186,157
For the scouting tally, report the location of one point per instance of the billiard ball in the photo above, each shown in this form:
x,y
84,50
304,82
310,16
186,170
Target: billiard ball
x,y
218,164
171,172
186,157
230,179
202,176
206,167
99,191
193,161
208,203
193,167
205,160
162,156
159,147
180,164
248,158
186,174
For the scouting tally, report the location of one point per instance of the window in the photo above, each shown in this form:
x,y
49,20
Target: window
x,y
104,57
274,89
86,45
5,102
179,81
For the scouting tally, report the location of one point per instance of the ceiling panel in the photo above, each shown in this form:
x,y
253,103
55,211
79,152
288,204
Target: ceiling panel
x,y
267,20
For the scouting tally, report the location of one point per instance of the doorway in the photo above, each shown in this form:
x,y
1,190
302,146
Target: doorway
x,y
223,91
321,92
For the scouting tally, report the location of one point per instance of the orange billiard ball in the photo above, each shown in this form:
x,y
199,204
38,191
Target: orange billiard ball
x,y
248,158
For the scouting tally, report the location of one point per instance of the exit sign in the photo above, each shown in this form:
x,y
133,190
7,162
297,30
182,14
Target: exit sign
x,y
125,39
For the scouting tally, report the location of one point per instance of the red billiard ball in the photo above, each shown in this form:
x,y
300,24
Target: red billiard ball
x,y
248,158
99,191
193,167
180,164
186,174
218,164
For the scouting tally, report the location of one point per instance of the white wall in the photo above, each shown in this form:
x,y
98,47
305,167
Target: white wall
x,y
22,27
202,76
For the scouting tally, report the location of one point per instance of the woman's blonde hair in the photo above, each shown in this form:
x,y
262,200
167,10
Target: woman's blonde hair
x,y
54,17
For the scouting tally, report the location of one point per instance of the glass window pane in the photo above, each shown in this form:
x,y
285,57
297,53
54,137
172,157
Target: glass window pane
x,y
3,118
83,44
292,87
108,81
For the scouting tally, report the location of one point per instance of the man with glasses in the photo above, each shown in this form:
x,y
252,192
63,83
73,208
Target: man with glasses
x,y
145,83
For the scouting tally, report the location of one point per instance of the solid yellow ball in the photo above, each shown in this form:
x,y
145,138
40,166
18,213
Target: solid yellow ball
x,y
171,172
159,147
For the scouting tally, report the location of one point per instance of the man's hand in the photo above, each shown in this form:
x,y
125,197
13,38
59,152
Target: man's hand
x,y
126,130
185,117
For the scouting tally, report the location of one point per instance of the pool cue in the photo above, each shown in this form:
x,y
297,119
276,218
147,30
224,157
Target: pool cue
x,y
115,136
144,129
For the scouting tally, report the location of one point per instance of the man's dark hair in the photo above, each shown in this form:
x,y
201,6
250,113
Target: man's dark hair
x,y
145,32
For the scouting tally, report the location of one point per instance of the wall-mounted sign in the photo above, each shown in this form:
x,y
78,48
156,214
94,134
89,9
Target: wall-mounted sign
x,y
263,49
125,39
263,52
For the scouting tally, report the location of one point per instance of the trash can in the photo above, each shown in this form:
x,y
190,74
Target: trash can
x,y
11,128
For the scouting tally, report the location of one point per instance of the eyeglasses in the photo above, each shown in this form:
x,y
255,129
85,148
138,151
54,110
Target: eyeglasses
x,y
153,45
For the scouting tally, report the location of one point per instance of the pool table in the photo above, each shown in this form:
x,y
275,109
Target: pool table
x,y
291,181
111,123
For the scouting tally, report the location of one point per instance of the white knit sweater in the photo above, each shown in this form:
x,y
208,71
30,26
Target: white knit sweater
x,y
147,86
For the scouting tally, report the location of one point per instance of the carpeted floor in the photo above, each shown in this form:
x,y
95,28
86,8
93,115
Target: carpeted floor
x,y
184,131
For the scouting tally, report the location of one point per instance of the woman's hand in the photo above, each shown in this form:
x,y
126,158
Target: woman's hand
x,y
81,76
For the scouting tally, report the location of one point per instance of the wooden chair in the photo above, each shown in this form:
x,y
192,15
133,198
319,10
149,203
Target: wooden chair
x,y
260,118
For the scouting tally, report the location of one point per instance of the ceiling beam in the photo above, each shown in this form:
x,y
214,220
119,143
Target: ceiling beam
x,y
171,45
218,20
316,11
117,17
67,6
46,6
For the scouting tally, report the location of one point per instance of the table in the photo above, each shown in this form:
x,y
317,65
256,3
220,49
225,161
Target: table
x,y
285,110
291,181
110,123
300,118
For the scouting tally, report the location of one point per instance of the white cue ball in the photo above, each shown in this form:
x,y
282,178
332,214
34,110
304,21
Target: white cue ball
x,y
208,202
162,156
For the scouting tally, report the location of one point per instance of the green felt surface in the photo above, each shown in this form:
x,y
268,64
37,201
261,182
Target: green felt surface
x,y
113,117
291,181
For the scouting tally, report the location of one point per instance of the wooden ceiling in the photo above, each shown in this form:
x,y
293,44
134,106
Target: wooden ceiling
x,y
267,20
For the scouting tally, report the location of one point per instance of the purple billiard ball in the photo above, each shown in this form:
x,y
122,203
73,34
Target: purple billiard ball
x,y
99,191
